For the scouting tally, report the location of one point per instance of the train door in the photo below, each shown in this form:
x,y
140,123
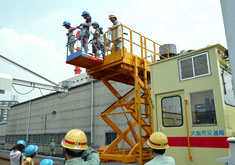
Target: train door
x,y
171,120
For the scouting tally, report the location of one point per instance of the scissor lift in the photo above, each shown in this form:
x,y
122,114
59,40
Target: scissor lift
x,y
125,66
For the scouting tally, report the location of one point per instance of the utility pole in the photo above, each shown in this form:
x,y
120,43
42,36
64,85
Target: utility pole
x,y
227,7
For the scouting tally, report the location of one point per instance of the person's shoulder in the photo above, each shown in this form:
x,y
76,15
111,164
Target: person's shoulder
x,y
70,29
89,19
170,159
29,159
13,152
91,150
150,163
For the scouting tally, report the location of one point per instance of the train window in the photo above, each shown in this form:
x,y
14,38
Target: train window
x,y
203,108
201,64
172,111
186,68
228,87
194,66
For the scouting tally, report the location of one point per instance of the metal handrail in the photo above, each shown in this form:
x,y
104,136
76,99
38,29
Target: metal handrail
x,y
115,36
69,43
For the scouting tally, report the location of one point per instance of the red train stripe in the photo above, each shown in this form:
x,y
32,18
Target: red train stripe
x,y
205,142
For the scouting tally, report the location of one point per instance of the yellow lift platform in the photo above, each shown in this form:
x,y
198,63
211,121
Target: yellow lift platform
x,y
129,65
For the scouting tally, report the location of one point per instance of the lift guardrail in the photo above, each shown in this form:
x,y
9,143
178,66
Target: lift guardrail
x,y
134,41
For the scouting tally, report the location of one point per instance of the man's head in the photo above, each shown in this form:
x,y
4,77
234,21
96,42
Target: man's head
x,y
67,24
46,162
158,142
74,143
18,147
95,25
85,14
52,139
22,142
31,150
112,18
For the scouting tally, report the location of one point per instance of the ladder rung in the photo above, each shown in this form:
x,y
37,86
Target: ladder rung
x,y
145,114
146,136
144,103
147,117
146,148
146,125
145,94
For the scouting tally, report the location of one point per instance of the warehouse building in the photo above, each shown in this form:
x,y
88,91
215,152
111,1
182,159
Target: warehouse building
x,y
51,116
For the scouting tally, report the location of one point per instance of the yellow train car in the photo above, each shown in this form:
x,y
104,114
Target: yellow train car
x,y
194,104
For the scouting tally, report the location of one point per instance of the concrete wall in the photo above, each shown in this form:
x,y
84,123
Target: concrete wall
x,y
73,110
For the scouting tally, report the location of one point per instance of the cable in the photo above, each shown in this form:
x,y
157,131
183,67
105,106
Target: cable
x,y
22,93
40,91
125,114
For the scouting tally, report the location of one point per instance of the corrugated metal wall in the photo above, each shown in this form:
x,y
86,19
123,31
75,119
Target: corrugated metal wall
x,y
73,110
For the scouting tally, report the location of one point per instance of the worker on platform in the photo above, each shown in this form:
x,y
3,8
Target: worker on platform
x,y
16,155
86,26
30,152
158,142
101,30
96,39
46,162
71,36
116,32
76,150
52,147
101,40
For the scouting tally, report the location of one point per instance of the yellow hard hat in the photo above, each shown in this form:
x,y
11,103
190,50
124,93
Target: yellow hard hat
x,y
112,15
75,139
158,141
52,139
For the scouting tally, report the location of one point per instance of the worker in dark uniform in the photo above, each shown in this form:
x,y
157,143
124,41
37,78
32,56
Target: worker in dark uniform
x,y
86,26
96,45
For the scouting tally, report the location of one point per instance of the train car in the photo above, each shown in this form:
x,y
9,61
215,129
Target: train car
x,y
194,104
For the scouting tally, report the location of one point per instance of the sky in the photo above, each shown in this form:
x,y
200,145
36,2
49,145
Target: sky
x,y
31,31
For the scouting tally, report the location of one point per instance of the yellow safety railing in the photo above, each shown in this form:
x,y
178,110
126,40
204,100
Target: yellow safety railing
x,y
124,36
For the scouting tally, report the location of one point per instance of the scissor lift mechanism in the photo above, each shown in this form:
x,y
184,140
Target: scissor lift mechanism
x,y
125,67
